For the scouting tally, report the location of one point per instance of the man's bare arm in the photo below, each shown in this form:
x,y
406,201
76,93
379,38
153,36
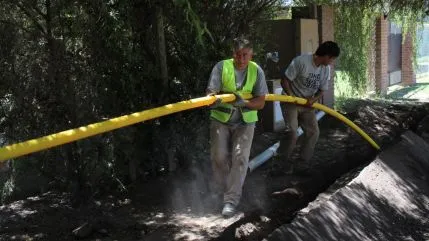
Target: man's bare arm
x,y
315,98
256,103
286,86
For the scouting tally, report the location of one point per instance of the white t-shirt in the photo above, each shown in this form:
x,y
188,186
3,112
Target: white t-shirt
x,y
306,78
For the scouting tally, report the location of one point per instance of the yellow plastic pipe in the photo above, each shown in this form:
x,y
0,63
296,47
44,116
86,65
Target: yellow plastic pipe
x,y
60,138
301,101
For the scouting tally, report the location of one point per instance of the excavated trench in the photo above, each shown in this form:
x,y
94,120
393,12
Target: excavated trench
x,y
178,207
273,198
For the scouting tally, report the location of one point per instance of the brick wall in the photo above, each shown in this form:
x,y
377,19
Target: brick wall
x,y
382,51
325,16
408,76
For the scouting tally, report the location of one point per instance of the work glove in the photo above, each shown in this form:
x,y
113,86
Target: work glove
x,y
239,101
216,103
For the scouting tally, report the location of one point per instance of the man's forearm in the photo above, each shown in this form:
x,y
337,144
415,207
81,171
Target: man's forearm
x,y
315,98
286,86
318,94
256,103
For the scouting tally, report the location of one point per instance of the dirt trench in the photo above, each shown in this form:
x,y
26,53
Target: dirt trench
x,y
178,207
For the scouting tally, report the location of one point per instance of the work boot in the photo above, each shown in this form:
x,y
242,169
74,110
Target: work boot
x,y
228,210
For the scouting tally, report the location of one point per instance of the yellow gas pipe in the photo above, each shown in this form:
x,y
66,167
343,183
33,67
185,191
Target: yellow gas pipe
x,y
60,138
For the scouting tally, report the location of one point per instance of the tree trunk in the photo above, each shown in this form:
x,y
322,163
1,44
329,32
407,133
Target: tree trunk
x,y
51,43
161,48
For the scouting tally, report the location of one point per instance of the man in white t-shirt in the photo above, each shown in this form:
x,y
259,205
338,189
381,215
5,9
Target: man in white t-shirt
x,y
307,77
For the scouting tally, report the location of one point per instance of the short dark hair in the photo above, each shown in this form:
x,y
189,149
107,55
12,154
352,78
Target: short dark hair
x,y
329,48
241,43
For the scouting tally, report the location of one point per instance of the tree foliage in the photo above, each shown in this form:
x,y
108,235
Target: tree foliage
x,y
355,28
70,63
66,64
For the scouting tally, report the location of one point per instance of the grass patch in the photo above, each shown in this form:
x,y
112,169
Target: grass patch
x,y
422,78
345,94
423,59
415,92
343,88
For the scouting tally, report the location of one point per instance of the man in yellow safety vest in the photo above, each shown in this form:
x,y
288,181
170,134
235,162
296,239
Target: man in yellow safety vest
x,y
232,124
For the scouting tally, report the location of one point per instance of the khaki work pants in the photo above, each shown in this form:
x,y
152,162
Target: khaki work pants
x,y
230,151
295,116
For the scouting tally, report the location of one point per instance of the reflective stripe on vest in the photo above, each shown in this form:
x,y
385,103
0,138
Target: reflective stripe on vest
x,y
223,113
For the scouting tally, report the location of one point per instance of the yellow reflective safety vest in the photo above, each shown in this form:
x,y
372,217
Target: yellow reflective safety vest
x,y
223,112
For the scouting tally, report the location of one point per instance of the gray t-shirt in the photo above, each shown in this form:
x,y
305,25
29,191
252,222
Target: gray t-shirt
x,y
306,78
215,86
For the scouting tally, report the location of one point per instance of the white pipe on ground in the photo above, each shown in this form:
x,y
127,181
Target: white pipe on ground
x,y
272,151
263,157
